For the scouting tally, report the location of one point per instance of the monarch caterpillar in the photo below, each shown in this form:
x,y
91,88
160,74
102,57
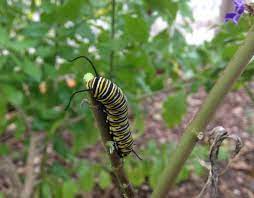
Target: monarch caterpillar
x,y
115,107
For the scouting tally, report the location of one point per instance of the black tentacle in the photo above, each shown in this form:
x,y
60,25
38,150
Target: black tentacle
x,y
96,73
73,94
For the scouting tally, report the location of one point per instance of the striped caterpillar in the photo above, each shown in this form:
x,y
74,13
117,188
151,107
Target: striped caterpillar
x,y
115,107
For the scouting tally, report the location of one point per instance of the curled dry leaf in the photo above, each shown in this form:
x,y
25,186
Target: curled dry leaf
x,y
217,136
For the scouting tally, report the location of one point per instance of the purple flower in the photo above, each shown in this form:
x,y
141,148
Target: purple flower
x,y
239,10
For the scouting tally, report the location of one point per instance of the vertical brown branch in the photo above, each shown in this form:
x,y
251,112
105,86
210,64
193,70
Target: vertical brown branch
x,y
116,162
33,164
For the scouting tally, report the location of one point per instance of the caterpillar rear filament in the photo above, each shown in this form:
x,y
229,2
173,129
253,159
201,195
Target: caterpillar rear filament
x,y
115,107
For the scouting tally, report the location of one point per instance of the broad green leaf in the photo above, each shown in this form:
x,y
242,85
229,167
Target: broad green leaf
x,y
136,174
32,70
155,173
12,94
36,30
60,146
184,174
136,29
174,108
85,30
2,107
138,123
44,51
72,7
46,190
59,171
86,180
22,45
55,185
69,189
185,9
84,133
104,179
4,37
167,7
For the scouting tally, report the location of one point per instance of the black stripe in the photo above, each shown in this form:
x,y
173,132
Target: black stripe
x,y
106,94
117,113
117,95
96,80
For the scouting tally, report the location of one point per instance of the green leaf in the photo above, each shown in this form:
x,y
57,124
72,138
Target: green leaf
x,y
86,180
36,30
167,7
185,9
174,108
85,30
136,175
55,185
136,29
22,45
155,173
59,171
184,175
32,70
104,179
45,188
60,146
12,94
4,37
2,107
69,189
72,7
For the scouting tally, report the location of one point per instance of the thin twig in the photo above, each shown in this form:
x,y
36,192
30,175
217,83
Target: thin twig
x,y
112,53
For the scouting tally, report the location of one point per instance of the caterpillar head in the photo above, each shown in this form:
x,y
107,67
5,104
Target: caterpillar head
x,y
87,77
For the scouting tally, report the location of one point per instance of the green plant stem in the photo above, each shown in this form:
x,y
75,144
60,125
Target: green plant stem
x,y
116,162
223,85
112,53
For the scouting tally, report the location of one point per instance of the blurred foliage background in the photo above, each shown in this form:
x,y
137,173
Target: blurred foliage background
x,y
38,37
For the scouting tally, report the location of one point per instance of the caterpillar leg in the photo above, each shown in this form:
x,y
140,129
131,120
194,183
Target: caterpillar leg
x,y
86,101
